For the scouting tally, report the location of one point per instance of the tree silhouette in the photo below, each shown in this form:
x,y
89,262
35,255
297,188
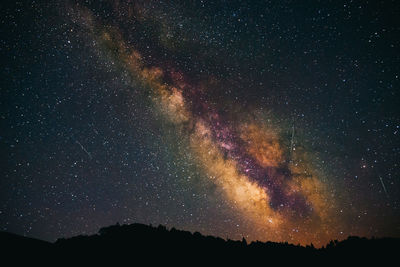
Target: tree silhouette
x,y
143,241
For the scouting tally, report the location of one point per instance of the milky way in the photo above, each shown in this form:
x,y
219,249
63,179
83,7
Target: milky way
x,y
266,180
233,119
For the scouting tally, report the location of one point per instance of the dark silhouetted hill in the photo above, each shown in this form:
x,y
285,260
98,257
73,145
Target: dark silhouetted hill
x,y
138,241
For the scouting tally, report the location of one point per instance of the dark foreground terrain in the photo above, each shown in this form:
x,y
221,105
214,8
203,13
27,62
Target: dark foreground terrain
x,y
154,244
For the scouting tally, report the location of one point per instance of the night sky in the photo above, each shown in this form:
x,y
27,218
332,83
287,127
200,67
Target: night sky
x,y
269,120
